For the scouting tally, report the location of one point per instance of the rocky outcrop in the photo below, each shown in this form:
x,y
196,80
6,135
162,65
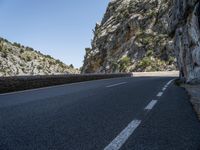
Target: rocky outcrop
x,y
132,36
16,59
184,28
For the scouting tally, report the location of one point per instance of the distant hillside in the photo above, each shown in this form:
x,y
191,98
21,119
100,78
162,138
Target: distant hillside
x,y
16,59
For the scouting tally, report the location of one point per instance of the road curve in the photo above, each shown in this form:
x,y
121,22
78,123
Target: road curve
x,y
142,113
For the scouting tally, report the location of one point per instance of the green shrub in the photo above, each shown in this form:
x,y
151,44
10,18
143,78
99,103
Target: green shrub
x,y
149,53
124,63
59,62
29,49
71,66
17,44
9,49
4,54
51,63
171,60
21,51
144,63
28,58
39,67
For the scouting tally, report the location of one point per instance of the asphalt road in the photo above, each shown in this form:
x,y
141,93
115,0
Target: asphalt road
x,y
141,113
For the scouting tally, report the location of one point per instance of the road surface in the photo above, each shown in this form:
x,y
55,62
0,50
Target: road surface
x,y
135,113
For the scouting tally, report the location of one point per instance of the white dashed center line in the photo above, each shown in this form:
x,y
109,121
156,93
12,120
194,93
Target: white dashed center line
x,y
151,105
159,94
170,82
164,89
117,143
109,86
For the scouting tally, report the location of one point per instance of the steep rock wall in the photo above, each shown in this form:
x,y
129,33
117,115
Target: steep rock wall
x,y
132,37
184,28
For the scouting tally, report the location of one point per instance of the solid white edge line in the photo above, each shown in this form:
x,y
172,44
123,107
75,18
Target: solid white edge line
x,y
109,86
151,105
117,143
159,94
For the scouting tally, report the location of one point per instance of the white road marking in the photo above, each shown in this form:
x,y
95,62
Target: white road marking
x,y
117,143
167,84
109,86
151,105
159,94
164,89
170,82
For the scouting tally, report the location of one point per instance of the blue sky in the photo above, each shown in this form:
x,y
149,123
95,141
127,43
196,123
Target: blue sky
x,y
60,28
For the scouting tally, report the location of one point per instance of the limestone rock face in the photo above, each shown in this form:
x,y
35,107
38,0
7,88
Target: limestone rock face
x,y
184,28
132,36
16,59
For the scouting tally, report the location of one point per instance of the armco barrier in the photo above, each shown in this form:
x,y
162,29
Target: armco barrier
x,y
18,83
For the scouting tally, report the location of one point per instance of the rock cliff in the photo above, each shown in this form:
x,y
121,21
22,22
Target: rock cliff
x,y
132,36
16,59
184,29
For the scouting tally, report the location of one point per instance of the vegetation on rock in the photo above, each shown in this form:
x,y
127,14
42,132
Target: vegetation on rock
x,y
16,59
132,36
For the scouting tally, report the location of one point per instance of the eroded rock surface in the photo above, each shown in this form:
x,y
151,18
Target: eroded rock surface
x,y
184,28
132,36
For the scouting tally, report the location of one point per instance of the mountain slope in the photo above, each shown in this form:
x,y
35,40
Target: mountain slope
x,y
132,36
16,59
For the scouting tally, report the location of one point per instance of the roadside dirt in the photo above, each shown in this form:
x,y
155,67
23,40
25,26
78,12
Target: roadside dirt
x,y
194,92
